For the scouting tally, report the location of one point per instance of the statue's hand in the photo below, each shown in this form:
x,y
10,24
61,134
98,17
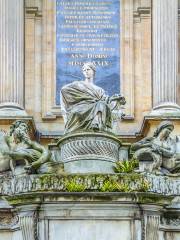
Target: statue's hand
x,y
118,98
115,97
147,144
27,141
156,148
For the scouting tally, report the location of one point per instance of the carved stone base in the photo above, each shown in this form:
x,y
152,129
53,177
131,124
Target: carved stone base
x,y
87,152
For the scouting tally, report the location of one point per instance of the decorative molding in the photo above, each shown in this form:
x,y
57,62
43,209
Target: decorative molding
x,y
172,221
127,57
178,12
93,147
55,183
8,219
170,224
152,227
28,224
163,185
49,109
142,12
33,11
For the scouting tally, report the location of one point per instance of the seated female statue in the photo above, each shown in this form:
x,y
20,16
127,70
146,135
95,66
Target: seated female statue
x,y
86,106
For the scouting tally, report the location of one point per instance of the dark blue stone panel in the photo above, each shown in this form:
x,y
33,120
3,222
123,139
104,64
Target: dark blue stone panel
x,y
88,30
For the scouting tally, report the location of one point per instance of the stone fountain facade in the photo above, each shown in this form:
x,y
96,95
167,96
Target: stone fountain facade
x,y
94,169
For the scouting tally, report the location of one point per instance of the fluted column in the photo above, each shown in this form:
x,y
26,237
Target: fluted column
x,y
12,54
165,49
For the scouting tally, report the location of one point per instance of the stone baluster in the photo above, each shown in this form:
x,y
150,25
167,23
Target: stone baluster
x,y
11,54
165,49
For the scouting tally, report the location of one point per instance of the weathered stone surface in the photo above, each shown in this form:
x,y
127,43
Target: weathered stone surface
x,y
90,229
168,186
123,214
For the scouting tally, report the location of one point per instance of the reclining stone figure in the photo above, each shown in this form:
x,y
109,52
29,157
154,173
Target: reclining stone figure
x,y
23,150
160,151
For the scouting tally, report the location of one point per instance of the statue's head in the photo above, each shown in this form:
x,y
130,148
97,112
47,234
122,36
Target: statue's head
x,y
89,70
165,128
20,130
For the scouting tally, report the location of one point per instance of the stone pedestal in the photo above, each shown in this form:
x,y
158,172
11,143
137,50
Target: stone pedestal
x,y
87,152
165,61
12,58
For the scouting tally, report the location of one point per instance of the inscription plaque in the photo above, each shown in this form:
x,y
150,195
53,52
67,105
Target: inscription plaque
x,y
88,30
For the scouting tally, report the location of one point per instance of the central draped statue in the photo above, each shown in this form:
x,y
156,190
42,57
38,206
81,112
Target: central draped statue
x,y
85,106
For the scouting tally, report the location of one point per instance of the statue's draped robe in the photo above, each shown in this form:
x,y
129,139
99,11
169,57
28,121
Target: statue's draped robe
x,y
81,103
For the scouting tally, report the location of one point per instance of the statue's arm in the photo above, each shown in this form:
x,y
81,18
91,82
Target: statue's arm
x,y
117,98
146,142
16,155
45,153
168,152
8,141
115,101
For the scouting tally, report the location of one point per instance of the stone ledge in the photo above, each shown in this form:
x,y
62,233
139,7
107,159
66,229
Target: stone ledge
x,y
131,183
146,199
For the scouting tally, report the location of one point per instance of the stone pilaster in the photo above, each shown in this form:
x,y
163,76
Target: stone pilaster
x,y
28,222
11,55
151,222
165,49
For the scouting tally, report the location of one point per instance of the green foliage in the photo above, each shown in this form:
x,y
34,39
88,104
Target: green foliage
x,y
144,186
111,186
126,166
123,187
108,186
125,182
74,186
